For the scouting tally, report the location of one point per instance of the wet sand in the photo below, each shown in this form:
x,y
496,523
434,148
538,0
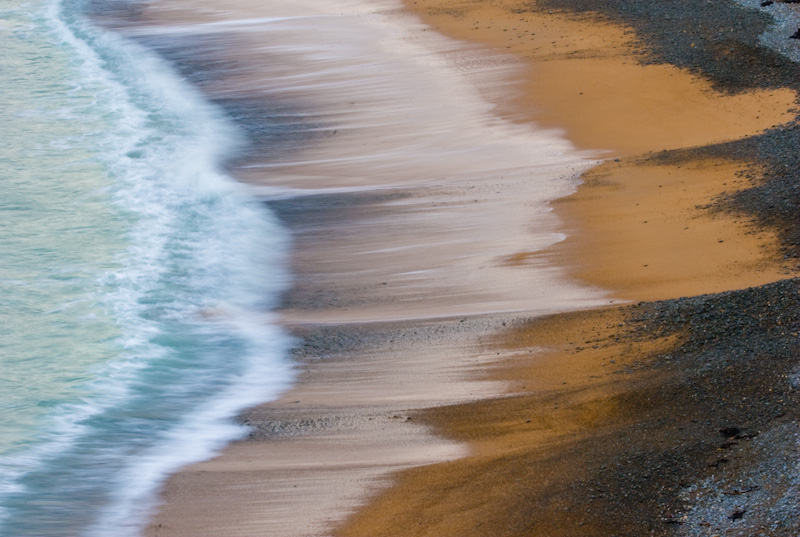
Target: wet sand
x,y
421,286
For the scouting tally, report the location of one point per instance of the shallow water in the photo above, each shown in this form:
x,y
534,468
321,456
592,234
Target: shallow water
x,y
136,277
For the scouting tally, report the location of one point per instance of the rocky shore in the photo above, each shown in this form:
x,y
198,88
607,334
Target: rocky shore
x,y
726,460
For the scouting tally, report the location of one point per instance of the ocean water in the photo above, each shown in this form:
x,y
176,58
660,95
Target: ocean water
x,y
136,278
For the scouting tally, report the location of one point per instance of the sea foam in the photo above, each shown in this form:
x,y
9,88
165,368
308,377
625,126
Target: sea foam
x,y
188,293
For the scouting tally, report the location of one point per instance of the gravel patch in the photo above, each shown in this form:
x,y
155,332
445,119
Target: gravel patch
x,y
782,35
726,462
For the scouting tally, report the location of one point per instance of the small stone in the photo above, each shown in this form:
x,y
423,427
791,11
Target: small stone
x,y
739,513
730,432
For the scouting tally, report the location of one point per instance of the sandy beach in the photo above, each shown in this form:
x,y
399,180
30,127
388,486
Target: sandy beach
x,y
468,359
624,425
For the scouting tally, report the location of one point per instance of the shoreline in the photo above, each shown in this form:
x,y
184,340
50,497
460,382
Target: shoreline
x,y
331,419
387,323
636,419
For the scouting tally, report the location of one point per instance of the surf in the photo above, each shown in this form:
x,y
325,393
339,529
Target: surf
x,y
140,323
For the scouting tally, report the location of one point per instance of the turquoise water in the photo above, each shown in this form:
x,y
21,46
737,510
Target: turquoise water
x,y
136,279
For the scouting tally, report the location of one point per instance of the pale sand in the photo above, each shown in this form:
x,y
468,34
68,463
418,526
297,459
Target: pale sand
x,y
342,439
335,437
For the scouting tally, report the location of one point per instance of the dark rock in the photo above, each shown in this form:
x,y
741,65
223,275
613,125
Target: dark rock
x,y
730,432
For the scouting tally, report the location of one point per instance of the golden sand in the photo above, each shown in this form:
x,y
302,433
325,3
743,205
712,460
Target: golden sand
x,y
646,231
584,76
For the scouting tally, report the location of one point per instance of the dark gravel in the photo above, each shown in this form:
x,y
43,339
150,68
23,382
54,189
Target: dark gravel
x,y
717,38
714,449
